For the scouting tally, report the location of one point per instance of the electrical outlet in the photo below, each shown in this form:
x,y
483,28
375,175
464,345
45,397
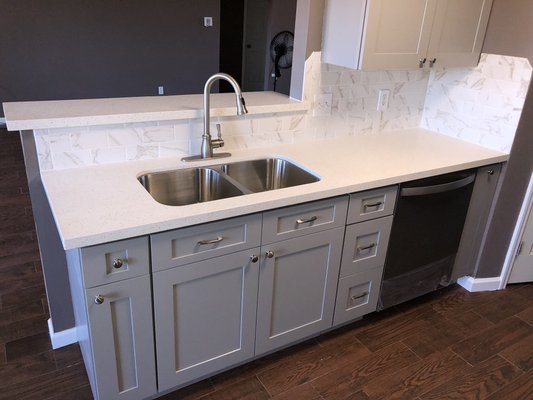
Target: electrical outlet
x,y
161,90
383,99
322,106
208,22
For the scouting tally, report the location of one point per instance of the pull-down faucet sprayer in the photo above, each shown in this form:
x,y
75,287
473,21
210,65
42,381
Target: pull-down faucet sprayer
x,y
208,144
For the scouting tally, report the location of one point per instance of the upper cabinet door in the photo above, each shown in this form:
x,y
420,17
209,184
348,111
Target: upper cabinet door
x,y
404,34
397,33
458,32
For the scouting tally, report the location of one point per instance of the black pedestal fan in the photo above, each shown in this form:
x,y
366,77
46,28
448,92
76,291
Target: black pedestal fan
x,y
281,48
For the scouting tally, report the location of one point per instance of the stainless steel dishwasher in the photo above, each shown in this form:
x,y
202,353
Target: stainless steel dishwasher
x,y
426,231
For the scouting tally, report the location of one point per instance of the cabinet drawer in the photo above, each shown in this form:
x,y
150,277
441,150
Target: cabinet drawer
x,y
183,246
372,204
112,262
365,245
290,222
357,295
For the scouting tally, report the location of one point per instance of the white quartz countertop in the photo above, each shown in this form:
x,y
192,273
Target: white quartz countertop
x,y
74,113
93,205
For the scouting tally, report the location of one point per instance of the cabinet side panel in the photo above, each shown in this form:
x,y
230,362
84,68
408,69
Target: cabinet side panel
x,y
343,32
80,313
477,220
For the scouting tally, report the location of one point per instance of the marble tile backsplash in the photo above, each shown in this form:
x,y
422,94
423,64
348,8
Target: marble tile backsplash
x,y
480,105
354,99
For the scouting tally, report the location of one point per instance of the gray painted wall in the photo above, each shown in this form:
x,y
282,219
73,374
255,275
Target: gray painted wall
x,y
510,29
509,33
67,49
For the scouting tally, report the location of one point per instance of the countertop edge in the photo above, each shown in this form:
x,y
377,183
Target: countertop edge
x,y
259,103
261,206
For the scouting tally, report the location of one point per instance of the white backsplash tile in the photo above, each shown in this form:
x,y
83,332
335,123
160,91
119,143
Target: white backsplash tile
x,y
480,105
157,134
71,159
109,155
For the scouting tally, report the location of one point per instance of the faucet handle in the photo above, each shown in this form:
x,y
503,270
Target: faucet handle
x,y
219,131
243,103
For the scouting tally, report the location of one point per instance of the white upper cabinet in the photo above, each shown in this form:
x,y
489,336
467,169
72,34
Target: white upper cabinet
x,y
458,32
404,34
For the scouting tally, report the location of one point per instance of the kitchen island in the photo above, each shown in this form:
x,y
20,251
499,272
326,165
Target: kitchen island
x,y
109,224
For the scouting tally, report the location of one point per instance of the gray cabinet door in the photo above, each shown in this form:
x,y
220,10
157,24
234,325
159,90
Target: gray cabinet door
x,y
297,288
121,334
204,317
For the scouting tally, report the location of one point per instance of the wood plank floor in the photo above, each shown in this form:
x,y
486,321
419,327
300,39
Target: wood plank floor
x,y
447,345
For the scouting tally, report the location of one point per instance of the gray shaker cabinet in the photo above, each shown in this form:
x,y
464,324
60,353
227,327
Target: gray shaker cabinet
x,y
363,255
205,315
300,261
297,285
112,300
122,339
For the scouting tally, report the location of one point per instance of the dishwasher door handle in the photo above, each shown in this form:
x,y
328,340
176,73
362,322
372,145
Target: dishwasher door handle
x,y
433,189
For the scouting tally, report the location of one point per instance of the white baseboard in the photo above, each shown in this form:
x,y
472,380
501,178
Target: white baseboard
x,y
62,338
479,284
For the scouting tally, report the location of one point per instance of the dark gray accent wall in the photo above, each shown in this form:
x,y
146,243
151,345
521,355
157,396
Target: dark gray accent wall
x,y
68,49
509,33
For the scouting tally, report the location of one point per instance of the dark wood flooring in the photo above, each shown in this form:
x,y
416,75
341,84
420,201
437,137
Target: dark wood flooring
x,y
447,345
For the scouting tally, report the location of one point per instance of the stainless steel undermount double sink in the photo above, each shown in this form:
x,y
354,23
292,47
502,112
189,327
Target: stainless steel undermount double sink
x,y
196,185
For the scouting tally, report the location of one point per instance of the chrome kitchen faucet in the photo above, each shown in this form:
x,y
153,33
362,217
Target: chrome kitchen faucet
x,y
208,144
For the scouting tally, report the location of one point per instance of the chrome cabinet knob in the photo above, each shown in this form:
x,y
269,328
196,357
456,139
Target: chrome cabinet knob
x,y
269,254
118,263
490,172
421,62
254,258
98,299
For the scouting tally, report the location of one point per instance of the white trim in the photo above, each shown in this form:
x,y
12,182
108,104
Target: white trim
x,y
63,338
479,284
2,121
517,234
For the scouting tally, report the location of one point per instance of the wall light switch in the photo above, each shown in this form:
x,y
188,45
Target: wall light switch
x,y
160,90
383,99
208,22
322,105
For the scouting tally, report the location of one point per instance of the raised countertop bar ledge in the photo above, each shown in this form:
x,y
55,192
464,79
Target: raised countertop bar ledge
x,y
99,204
27,115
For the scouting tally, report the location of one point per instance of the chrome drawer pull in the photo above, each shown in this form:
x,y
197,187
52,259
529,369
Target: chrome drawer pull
x,y
364,248
372,205
307,220
211,241
118,263
353,298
